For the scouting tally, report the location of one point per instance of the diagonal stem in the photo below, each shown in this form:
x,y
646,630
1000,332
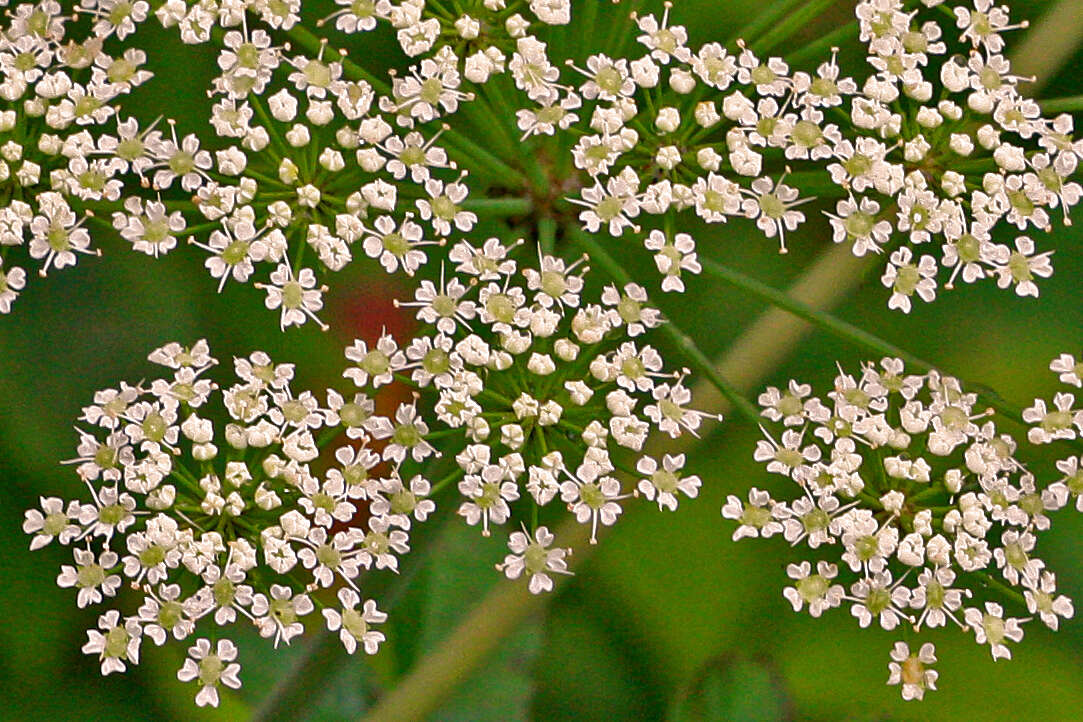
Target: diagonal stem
x,y
699,360
745,364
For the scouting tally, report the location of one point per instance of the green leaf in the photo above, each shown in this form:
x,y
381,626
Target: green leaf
x,y
737,690
459,573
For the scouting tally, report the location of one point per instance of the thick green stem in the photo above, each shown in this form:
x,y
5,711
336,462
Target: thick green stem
x,y
1053,106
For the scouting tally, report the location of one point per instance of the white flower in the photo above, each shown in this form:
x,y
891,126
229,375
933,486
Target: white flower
x,y
298,297
666,481
211,669
277,615
117,642
911,669
533,556
758,518
815,590
991,628
355,625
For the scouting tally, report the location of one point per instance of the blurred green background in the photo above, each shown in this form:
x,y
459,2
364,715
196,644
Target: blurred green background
x,y
669,619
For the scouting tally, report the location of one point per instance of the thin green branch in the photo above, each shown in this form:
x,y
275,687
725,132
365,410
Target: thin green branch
x,y
764,19
698,360
848,332
498,207
793,24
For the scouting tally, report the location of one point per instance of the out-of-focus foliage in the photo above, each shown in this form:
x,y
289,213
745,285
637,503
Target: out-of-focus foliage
x,y
668,619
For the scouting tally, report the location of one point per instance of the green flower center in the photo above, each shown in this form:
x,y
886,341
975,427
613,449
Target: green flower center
x,y
592,495
436,361
859,225
763,75
210,670
878,600
281,610
224,591
317,74
906,282
105,457
1019,268
553,283
57,237
665,481
406,435
858,165
54,524
170,614
443,208
867,547
403,502
92,575
994,628
354,623
934,595
431,89
293,295
396,244
152,556
812,588
815,520
609,80
772,206
1056,421
323,501
756,517
328,556
789,457
116,643
500,307
113,514
182,162
352,414
535,558
807,134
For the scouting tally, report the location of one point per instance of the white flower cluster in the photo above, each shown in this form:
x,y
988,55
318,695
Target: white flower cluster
x,y
324,161
64,151
916,507
204,501
534,392
932,150
223,503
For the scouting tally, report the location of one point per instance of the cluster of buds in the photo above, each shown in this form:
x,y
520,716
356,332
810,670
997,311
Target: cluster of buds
x,y
915,506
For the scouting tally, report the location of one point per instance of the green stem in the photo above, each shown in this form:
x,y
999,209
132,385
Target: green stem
x,y
547,233
992,581
497,207
698,359
1073,104
819,48
764,20
794,23
845,331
